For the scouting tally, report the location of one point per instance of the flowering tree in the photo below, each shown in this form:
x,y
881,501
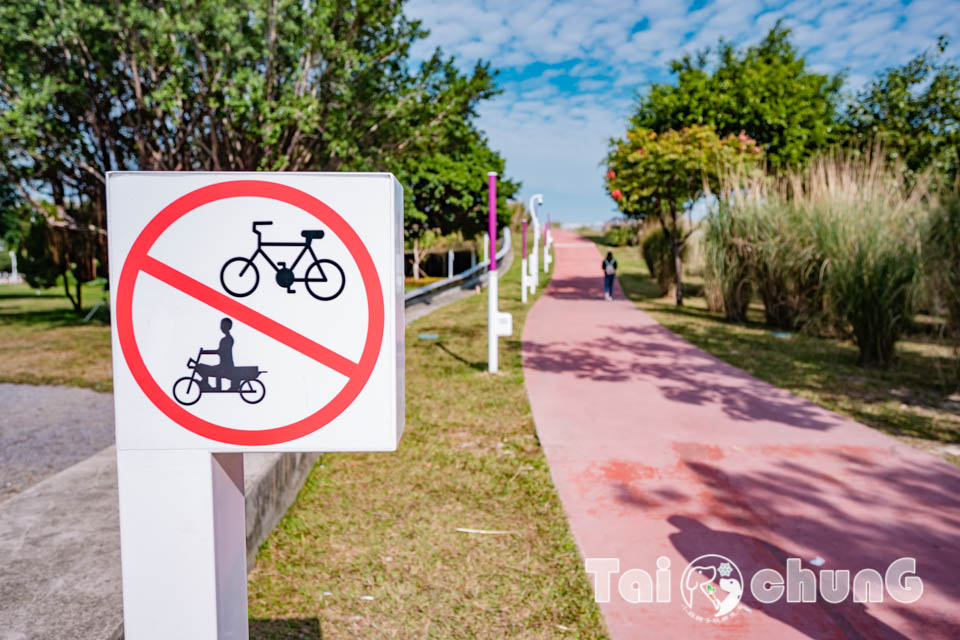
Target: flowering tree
x,y
662,175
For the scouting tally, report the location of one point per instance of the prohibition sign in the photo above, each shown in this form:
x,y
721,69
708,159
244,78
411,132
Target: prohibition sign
x,y
138,261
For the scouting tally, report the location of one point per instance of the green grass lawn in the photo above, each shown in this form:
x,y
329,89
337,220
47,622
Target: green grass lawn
x,y
44,341
384,526
914,401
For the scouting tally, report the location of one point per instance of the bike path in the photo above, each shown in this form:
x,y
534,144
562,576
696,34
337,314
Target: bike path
x,y
658,448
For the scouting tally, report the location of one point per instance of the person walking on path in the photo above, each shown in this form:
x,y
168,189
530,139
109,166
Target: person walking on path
x,y
609,273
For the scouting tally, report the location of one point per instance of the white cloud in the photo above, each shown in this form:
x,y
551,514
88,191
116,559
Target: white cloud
x,y
552,124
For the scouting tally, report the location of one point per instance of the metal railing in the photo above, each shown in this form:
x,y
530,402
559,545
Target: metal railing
x,y
421,294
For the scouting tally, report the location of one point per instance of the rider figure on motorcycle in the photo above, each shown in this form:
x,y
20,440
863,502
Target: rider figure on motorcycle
x,y
225,367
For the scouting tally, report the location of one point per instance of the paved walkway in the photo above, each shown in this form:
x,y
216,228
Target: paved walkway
x,y
45,429
659,449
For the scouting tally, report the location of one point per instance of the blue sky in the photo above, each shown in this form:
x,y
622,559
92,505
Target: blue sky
x,y
569,70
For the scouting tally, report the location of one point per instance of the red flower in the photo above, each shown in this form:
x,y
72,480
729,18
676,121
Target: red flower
x,y
615,194
611,174
641,151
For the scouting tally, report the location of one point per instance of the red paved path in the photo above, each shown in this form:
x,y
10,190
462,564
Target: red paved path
x,y
658,448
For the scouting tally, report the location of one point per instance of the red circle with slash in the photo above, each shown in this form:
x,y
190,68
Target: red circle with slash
x,y
138,261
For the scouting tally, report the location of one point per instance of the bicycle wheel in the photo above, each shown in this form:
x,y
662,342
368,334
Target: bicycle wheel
x,y
252,391
239,277
186,390
325,279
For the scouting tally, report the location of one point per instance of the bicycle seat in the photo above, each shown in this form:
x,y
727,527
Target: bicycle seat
x,y
312,234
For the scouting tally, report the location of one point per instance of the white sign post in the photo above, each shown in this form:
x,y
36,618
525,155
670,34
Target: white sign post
x,y
499,323
252,312
524,285
536,199
547,243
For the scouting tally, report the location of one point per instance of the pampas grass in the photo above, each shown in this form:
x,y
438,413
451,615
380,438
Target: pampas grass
x,y
835,245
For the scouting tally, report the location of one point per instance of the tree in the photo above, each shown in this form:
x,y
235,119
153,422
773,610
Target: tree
x,y
101,85
661,175
766,89
913,113
445,180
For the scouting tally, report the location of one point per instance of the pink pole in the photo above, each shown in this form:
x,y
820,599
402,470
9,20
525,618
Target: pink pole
x,y
492,218
524,226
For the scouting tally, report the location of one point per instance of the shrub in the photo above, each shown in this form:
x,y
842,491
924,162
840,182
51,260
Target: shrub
x,y
870,278
761,241
788,266
658,256
621,235
727,254
942,256
836,244
868,222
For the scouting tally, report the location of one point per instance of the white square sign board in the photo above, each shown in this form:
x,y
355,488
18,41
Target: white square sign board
x,y
257,311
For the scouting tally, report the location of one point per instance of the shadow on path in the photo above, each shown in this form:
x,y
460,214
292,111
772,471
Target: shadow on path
x,y
815,619
855,523
682,372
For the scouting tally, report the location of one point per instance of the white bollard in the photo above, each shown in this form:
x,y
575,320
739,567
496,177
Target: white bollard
x,y
450,263
524,280
536,199
486,248
14,276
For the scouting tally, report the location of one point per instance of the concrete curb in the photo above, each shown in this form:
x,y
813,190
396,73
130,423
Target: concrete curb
x,y
271,483
60,543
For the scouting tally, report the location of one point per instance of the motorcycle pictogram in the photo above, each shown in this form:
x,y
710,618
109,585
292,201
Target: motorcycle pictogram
x,y
228,377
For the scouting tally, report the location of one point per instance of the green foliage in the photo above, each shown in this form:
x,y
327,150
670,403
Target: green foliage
x,y
446,192
766,89
942,256
661,175
913,112
621,235
658,255
836,244
326,85
766,247
869,287
10,217
728,257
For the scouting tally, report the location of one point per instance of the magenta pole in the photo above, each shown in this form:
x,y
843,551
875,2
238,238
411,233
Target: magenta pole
x,y
492,219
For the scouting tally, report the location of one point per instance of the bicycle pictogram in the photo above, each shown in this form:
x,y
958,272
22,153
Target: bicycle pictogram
x,y
323,278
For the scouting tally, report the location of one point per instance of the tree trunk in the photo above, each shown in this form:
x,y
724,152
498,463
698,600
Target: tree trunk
x,y
677,267
79,305
66,290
